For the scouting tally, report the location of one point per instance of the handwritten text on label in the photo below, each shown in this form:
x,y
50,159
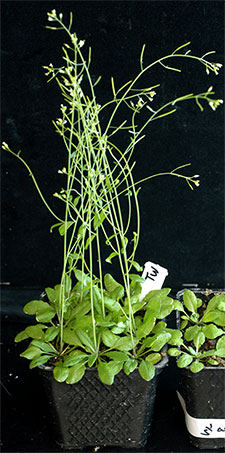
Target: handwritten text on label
x,y
154,276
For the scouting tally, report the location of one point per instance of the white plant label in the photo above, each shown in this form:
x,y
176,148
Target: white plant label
x,y
203,427
154,276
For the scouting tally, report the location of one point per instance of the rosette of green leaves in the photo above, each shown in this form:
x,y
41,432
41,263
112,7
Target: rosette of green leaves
x,y
116,348
203,332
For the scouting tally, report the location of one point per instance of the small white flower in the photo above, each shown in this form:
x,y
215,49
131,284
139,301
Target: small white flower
x,y
52,15
101,177
81,43
5,146
212,105
60,16
62,171
60,121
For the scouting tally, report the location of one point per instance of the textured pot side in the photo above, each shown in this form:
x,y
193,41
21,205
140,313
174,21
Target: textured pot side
x,y
91,413
204,396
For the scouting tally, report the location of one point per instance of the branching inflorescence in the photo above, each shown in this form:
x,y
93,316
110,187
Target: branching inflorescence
x,y
98,174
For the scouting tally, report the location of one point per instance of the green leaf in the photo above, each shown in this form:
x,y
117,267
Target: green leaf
x,y
89,240
31,352
111,284
184,324
121,327
82,277
215,301
161,306
190,301
146,327
212,362
31,308
98,219
45,347
146,370
115,366
157,294
74,358
136,278
220,345
50,294
111,304
177,305
221,341
108,338
210,316
173,352
21,336
70,337
64,227
55,225
159,340
97,299
176,337
199,340
105,373
221,306
60,373
76,373
220,352
37,361
82,308
75,201
130,365
137,266
45,314
136,289
211,331
92,359
85,339
153,358
111,256
126,343
161,325
184,360
35,332
51,333
196,366
118,356
191,332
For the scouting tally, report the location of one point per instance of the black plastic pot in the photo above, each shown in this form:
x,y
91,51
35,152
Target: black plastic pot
x,y
203,394
90,413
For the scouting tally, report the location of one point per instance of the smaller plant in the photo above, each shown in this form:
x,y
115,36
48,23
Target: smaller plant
x,y
202,328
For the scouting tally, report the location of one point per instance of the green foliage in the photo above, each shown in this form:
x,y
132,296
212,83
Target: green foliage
x,y
116,349
202,332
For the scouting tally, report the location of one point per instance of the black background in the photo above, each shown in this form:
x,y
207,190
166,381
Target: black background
x,y
181,229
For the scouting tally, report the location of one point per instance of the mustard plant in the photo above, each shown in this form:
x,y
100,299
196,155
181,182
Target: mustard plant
x,y
98,321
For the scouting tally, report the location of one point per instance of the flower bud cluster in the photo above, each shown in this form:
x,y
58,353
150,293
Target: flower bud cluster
x,y
52,16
